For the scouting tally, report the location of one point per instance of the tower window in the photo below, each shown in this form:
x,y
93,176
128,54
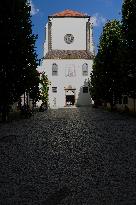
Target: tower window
x,y
85,69
54,69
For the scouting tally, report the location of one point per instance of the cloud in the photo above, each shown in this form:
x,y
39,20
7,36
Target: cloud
x,y
34,10
98,20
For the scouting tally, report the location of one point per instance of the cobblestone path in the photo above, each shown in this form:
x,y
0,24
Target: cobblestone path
x,y
69,157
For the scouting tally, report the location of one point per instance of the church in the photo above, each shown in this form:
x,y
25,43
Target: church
x,y
68,58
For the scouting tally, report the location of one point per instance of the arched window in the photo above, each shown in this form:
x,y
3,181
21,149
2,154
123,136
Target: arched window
x,y
54,69
85,69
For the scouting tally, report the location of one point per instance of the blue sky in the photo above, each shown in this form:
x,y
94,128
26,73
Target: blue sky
x,y
100,10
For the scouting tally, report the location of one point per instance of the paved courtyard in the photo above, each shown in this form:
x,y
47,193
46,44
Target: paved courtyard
x,y
69,157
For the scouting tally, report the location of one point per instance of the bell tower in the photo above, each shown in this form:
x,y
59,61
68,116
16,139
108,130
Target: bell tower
x,y
68,58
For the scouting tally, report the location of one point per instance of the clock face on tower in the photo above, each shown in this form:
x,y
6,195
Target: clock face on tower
x,y
68,38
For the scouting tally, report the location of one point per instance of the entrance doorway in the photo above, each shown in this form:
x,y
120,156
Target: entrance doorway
x,y
70,97
70,100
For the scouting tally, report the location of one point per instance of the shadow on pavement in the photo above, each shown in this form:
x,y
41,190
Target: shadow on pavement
x,y
8,139
57,197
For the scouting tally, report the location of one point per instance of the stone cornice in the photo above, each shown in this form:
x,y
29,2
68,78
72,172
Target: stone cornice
x,y
69,54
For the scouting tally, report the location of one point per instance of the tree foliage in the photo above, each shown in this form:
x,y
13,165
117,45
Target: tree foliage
x,y
34,91
129,34
106,78
44,83
18,57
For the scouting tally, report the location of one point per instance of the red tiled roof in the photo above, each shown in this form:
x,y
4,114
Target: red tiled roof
x,y
69,54
68,12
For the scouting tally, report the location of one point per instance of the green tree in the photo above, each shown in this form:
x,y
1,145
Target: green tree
x,y
106,78
44,83
18,57
129,34
34,91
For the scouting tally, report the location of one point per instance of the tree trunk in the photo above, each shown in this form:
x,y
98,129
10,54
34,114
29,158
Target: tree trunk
x,y
5,112
112,105
134,105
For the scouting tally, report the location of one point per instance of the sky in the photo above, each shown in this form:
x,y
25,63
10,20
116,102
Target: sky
x,y
100,10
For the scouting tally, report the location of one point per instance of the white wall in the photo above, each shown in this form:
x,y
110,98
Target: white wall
x,y
61,27
62,80
74,26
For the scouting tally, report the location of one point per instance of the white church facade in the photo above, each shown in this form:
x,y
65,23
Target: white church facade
x,y
68,58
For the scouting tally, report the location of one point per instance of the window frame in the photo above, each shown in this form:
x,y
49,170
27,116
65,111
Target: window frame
x,y
85,69
54,69
85,89
54,89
